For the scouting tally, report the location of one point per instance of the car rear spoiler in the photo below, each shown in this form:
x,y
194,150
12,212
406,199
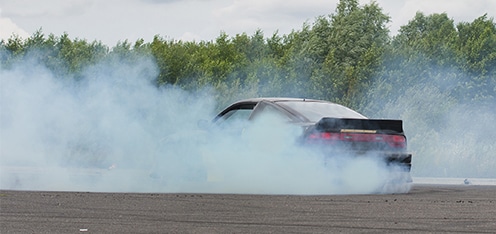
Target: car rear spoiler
x,y
375,125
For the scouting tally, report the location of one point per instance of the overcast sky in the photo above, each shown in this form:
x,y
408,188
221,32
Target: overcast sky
x,y
110,21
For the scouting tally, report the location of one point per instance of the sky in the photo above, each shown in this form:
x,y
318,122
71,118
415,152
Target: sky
x,y
113,21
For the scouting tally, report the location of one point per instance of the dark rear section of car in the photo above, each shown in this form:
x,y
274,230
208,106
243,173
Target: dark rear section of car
x,y
380,137
331,127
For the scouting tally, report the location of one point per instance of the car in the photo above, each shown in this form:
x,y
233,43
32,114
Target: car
x,y
332,128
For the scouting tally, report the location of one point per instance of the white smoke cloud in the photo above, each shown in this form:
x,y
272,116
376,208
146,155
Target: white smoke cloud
x,y
448,137
115,131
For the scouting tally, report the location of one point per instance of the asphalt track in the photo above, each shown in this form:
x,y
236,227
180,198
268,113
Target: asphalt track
x,y
427,208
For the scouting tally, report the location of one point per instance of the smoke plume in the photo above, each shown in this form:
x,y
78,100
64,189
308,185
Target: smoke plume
x,y
448,135
113,130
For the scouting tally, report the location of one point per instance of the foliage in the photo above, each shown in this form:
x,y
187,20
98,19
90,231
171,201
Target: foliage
x,y
432,67
339,57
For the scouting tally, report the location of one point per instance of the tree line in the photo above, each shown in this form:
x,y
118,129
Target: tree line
x,y
348,57
437,76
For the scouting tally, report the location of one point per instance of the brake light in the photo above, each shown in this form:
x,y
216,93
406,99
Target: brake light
x,y
395,141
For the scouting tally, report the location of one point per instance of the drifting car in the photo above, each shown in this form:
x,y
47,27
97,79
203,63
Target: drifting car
x,y
333,128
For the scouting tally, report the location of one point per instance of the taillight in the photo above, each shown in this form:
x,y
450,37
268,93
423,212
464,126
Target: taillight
x,y
395,141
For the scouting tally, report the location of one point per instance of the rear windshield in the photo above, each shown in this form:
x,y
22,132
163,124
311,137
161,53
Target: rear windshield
x,y
314,111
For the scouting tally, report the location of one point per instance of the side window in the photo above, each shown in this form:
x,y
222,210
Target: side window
x,y
264,109
237,115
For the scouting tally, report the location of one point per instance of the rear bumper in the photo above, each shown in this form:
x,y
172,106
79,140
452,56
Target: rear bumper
x,y
402,159
391,158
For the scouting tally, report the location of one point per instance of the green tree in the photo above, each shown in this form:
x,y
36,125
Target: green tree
x,y
423,53
11,50
477,57
355,39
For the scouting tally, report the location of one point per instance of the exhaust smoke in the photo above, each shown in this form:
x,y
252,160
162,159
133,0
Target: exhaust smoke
x,y
449,137
115,131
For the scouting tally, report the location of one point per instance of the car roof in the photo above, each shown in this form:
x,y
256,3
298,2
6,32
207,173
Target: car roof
x,y
279,99
295,112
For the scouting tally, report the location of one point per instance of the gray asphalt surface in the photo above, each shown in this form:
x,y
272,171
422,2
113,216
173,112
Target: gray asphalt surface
x,y
427,208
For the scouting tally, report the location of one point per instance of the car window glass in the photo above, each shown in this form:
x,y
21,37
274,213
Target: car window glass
x,y
268,110
239,114
314,111
233,116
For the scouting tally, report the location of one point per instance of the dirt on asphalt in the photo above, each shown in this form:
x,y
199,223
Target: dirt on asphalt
x,y
426,208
